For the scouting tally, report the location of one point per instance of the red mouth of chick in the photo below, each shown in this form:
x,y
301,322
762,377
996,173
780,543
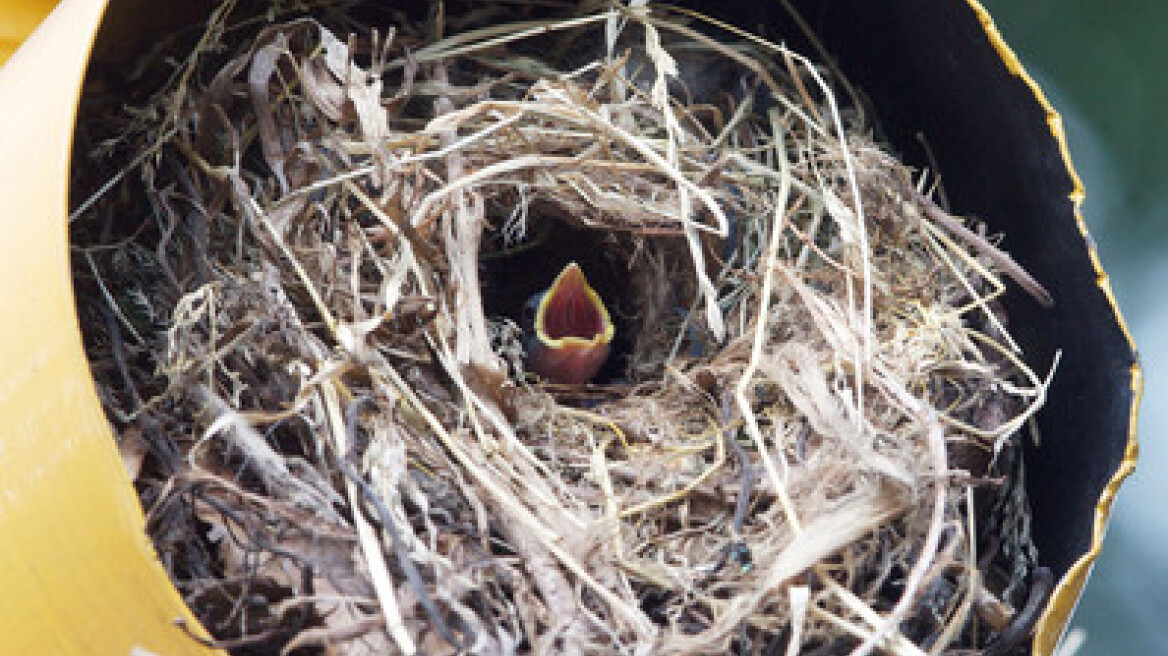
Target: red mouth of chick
x,y
572,311
572,330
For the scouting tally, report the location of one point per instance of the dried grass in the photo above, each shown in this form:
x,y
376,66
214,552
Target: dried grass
x,y
290,278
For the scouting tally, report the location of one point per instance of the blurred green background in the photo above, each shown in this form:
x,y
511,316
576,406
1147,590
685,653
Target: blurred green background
x,y
1105,67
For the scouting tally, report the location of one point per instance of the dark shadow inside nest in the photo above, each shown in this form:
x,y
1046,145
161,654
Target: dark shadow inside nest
x,y
645,282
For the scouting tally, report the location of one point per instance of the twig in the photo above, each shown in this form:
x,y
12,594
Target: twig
x,y
413,576
370,545
747,473
981,245
778,481
1041,585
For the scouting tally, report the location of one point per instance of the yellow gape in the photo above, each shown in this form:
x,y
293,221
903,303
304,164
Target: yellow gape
x,y
573,331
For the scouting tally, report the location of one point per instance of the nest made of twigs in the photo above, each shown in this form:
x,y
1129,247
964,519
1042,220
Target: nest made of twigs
x,y
284,273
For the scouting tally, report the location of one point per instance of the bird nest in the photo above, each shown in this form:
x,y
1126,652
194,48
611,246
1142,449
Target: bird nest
x,y
302,251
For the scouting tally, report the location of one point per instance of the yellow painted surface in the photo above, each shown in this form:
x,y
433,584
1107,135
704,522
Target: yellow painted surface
x,y
77,573
18,18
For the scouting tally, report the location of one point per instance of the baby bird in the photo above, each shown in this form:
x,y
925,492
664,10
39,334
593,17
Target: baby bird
x,y
571,331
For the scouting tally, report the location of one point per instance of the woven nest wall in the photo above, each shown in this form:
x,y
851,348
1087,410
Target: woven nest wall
x,y
304,240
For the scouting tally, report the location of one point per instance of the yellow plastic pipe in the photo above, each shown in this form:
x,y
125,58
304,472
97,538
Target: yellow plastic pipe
x,y
77,573
18,19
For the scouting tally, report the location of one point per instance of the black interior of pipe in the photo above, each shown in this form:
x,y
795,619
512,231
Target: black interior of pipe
x,y
930,70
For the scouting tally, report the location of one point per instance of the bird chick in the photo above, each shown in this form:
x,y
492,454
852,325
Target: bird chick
x,y
571,330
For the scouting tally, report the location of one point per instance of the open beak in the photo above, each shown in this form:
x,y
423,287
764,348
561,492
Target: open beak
x,y
573,331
